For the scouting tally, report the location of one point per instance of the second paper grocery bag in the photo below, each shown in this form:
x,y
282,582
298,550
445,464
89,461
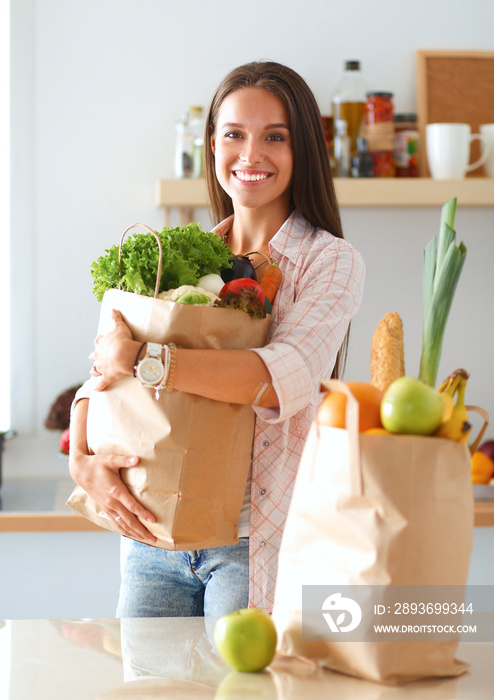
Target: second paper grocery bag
x,y
375,510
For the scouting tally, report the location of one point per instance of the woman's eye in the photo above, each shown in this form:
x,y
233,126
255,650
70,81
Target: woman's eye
x,y
276,137
232,135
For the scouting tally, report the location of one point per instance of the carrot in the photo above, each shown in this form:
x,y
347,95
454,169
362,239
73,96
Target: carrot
x,y
271,280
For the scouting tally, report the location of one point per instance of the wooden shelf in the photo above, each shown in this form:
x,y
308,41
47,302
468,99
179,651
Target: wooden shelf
x,y
414,192
186,195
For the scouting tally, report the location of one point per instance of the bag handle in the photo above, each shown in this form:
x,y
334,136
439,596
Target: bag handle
x,y
482,430
352,422
160,262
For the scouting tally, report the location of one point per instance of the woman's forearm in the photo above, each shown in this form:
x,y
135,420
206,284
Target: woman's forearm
x,y
233,376
78,419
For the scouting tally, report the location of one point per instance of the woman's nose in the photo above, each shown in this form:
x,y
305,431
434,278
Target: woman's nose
x,y
251,152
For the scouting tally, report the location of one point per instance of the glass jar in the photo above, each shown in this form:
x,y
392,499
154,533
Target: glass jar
x,y
379,132
406,152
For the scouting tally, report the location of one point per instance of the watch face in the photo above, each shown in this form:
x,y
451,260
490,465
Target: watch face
x,y
150,371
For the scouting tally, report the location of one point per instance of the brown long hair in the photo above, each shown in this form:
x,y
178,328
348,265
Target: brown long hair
x,y
312,191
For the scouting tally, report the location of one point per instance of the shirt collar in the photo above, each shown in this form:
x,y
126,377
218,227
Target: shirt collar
x,y
287,240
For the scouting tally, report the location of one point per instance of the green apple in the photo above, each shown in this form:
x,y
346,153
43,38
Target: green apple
x,y
411,406
246,639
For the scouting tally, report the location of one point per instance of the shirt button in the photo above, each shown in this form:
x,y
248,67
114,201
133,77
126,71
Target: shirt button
x,y
262,492
266,443
263,543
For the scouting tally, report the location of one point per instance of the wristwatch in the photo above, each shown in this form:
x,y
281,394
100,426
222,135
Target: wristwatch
x,y
150,370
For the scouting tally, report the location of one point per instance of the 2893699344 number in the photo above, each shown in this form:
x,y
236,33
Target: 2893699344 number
x,y
432,608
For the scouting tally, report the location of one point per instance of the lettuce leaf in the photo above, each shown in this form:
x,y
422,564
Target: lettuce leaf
x,y
188,254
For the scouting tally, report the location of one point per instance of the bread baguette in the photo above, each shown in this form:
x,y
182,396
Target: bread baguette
x,y
387,351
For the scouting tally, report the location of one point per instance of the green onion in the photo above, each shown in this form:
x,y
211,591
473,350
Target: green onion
x,y
442,265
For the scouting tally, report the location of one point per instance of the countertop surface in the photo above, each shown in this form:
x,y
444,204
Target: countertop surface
x,y
38,505
173,658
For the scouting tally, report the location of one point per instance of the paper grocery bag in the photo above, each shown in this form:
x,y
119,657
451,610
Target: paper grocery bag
x,y
378,511
194,452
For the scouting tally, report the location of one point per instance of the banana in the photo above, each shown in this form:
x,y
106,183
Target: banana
x,y
451,382
457,426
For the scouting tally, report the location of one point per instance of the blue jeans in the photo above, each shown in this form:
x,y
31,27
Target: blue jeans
x,y
162,583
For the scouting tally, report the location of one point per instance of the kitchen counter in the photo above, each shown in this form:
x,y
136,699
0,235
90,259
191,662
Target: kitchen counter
x,y
173,657
38,505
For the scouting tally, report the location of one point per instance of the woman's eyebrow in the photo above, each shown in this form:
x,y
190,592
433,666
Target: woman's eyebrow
x,y
238,125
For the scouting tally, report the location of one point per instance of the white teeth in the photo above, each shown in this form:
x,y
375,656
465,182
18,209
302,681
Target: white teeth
x,y
250,177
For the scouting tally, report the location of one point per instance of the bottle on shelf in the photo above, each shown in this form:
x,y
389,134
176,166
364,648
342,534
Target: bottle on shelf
x,y
406,152
189,144
362,162
349,100
341,149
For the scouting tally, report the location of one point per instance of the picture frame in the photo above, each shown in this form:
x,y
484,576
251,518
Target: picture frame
x,y
454,86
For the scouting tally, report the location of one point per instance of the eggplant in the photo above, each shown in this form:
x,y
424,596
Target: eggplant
x,y
242,267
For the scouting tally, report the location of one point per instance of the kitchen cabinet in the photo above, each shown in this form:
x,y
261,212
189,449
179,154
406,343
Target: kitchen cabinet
x,y
190,194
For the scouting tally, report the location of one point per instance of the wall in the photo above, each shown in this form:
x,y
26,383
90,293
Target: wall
x,y
96,90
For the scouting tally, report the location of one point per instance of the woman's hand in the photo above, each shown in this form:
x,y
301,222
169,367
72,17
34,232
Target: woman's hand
x,y
99,476
113,354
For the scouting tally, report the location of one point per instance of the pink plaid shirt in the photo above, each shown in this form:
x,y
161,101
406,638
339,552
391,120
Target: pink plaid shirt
x,y
321,291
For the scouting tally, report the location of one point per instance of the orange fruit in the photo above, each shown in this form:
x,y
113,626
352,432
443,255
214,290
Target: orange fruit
x,y
333,406
482,468
378,431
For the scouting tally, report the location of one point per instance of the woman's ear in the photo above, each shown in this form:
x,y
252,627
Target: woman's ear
x,y
213,143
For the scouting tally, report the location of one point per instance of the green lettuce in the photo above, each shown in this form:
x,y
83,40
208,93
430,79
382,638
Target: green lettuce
x,y
188,254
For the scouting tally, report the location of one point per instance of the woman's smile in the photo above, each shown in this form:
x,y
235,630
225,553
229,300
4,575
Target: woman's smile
x,y
251,176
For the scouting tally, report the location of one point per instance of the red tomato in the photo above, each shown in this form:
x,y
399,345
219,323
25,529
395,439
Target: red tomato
x,y
242,283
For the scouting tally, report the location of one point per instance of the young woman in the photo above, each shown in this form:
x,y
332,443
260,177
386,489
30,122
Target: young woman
x,y
271,191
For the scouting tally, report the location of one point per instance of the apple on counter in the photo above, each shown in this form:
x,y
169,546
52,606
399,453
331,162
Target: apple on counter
x,y
246,639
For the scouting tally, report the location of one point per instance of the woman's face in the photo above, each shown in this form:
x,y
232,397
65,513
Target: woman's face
x,y
253,150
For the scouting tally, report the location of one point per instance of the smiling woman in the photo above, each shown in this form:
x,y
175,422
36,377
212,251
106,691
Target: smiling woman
x,y
266,159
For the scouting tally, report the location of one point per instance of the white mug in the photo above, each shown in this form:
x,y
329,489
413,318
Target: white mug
x,y
448,150
487,131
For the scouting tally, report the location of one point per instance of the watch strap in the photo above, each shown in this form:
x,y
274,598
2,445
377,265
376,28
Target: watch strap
x,y
136,361
153,350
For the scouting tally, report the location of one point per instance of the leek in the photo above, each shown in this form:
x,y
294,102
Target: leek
x,y
442,265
